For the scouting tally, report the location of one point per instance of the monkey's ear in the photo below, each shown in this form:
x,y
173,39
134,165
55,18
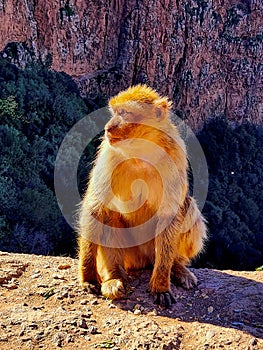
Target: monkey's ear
x,y
162,106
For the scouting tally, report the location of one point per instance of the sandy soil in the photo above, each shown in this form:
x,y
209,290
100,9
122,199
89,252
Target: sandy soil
x,y
42,306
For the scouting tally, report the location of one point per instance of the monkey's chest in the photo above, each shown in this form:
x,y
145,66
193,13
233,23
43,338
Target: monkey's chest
x,y
136,188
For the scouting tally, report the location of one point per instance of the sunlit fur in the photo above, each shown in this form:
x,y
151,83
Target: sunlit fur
x,y
139,139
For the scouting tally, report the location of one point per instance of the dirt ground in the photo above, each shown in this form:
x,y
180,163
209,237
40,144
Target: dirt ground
x,y
42,306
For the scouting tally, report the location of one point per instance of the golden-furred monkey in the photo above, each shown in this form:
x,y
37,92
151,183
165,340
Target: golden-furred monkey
x,y
137,211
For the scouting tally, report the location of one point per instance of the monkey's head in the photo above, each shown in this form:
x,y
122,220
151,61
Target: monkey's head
x,y
135,112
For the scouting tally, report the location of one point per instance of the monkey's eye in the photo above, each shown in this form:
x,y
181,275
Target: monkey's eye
x,y
122,112
125,114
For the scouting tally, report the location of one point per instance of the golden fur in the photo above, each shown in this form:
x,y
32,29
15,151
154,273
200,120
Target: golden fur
x,y
139,178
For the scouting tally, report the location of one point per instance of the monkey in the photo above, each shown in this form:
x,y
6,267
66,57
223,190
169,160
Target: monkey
x,y
137,211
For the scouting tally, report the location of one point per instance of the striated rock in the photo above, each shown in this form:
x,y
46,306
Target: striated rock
x,y
206,55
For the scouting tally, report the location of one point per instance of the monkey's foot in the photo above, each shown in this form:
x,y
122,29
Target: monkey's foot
x,y
91,288
184,277
113,289
165,299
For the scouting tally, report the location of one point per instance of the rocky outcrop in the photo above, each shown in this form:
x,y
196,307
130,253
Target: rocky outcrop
x,y
44,307
206,55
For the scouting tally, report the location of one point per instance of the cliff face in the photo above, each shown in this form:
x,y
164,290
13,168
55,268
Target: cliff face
x,y
206,55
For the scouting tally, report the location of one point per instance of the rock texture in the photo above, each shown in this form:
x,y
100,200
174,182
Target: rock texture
x,y
43,307
205,54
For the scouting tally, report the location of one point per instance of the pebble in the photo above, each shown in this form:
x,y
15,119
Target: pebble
x,y
210,334
82,324
64,267
69,339
137,312
210,309
93,330
12,286
84,302
26,339
138,307
153,313
3,339
253,341
58,339
58,277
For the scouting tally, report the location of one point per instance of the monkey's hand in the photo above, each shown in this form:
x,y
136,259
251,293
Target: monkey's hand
x,y
165,299
113,289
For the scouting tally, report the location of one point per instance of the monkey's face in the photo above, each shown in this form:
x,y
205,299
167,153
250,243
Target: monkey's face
x,y
131,122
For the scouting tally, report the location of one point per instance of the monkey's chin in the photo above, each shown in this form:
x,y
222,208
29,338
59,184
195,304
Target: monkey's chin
x,y
114,140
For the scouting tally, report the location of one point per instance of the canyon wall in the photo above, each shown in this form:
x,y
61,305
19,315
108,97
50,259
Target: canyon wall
x,y
206,55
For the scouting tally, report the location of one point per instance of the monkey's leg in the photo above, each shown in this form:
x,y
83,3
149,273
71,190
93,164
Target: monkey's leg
x,y
189,244
87,265
164,258
113,275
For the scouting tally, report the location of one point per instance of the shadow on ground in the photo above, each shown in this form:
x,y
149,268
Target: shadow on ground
x,y
220,298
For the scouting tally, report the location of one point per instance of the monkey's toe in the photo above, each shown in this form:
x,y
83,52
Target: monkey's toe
x,y
165,299
113,289
185,278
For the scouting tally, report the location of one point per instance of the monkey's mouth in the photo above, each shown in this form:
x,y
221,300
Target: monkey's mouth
x,y
113,138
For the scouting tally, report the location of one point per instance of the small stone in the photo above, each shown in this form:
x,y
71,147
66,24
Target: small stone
x,y
58,277
58,339
253,341
84,302
227,342
25,339
137,312
33,325
112,306
69,339
3,339
210,309
36,275
64,267
38,336
210,334
83,324
92,330
137,307
12,286
94,302
153,312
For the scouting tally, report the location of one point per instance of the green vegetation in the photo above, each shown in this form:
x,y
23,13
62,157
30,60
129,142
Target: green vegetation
x,y
234,204
38,107
67,11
